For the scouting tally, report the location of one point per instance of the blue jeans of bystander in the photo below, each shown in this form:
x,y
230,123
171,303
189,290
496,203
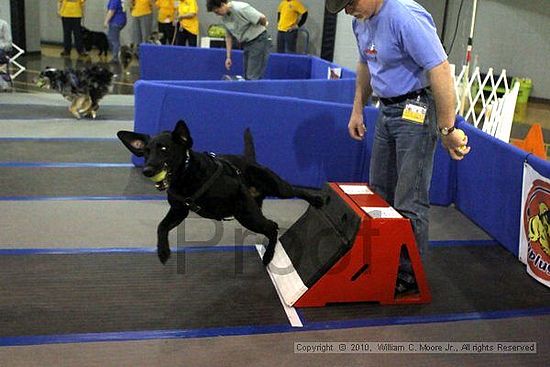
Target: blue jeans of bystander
x,y
402,162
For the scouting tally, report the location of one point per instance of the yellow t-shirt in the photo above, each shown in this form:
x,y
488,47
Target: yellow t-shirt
x,y
141,7
290,11
192,24
71,8
166,11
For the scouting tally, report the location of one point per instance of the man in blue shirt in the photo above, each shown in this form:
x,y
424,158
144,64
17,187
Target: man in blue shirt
x,y
115,20
403,62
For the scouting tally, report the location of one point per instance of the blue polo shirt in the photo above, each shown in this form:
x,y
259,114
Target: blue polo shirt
x,y
399,44
119,17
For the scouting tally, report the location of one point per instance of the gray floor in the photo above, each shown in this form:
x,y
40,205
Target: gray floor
x,y
70,208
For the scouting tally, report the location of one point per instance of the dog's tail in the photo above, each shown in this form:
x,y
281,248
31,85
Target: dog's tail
x,y
249,151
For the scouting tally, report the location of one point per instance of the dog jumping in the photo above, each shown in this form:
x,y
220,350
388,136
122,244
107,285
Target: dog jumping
x,y
215,187
84,88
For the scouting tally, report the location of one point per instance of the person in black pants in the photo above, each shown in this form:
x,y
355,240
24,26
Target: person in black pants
x,y
71,13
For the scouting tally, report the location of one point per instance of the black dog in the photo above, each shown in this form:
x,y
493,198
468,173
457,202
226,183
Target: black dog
x,y
93,39
215,187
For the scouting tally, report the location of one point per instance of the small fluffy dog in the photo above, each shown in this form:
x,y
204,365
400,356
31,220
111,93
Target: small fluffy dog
x,y
84,88
93,39
126,55
155,38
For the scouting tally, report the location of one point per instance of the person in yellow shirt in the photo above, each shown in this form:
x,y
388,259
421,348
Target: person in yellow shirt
x,y
188,27
142,12
165,19
72,13
292,14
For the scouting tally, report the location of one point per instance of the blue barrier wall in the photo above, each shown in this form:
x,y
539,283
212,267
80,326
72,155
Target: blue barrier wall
x,y
300,130
306,142
319,69
193,63
489,185
160,104
337,91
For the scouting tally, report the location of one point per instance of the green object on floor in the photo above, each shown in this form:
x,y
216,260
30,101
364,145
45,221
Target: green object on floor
x,y
525,87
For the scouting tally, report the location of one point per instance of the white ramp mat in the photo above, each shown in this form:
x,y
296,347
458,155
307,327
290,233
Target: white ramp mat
x,y
287,282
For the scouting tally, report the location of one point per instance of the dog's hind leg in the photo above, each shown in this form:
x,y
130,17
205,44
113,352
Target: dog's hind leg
x,y
174,217
251,217
270,184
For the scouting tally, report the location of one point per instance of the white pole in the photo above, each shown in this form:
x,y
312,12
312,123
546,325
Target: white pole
x,y
468,58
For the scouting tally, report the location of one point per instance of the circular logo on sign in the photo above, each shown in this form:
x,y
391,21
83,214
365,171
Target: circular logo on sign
x,y
537,227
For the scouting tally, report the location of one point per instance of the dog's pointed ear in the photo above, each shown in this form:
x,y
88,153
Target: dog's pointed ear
x,y
135,142
181,134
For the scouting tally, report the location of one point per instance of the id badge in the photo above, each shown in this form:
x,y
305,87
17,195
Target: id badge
x,y
415,111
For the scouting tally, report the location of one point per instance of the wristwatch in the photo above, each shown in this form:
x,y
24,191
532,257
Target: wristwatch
x,y
444,131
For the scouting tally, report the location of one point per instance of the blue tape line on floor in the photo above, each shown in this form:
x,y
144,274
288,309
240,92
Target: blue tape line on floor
x,y
82,198
63,165
121,250
463,243
256,330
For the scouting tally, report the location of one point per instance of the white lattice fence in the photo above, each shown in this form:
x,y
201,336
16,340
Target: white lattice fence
x,y
13,61
487,110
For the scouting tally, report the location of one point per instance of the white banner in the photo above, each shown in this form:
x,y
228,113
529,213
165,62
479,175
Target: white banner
x,y
534,234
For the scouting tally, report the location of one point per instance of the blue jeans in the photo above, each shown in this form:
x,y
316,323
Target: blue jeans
x,y
114,39
402,162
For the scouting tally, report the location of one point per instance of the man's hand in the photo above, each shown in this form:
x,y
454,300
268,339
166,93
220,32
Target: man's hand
x,y
456,143
356,127
228,63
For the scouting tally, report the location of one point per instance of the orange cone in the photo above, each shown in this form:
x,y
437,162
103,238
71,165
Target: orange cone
x,y
533,142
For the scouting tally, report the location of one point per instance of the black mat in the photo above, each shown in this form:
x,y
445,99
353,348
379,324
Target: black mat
x,y
462,279
65,294
63,151
46,112
60,294
103,181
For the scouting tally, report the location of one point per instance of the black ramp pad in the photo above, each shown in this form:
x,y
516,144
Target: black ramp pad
x,y
321,237
47,112
66,294
465,279
92,181
51,150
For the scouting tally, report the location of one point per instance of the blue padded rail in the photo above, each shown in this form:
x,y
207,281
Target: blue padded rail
x,y
489,186
337,91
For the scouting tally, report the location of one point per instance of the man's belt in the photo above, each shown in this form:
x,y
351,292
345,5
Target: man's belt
x,y
404,97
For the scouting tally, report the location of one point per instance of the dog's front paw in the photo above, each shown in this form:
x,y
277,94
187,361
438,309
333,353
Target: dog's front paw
x,y
268,255
163,254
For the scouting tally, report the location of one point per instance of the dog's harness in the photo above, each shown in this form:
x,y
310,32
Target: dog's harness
x,y
190,201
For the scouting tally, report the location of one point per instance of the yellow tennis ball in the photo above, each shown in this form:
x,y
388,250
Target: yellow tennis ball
x,y
159,176
462,134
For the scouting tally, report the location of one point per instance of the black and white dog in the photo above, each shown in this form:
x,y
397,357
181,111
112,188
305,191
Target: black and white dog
x,y
84,88
215,187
